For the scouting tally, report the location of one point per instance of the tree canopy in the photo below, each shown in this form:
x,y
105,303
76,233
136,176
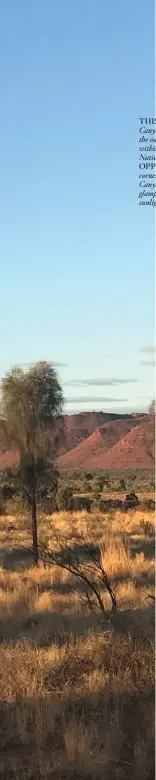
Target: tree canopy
x,y
31,404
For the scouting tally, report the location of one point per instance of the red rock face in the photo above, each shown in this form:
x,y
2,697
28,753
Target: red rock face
x,y
118,444
95,440
129,453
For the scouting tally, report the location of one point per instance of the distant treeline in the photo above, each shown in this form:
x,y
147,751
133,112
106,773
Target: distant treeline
x,y
78,490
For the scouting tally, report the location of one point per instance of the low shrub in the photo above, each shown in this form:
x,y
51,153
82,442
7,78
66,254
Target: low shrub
x,y
64,498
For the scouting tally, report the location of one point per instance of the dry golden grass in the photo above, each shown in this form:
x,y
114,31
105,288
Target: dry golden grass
x,y
77,693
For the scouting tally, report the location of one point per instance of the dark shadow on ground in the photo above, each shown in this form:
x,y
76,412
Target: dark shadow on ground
x,y
140,579
136,546
147,547
123,747
79,552
45,628
17,558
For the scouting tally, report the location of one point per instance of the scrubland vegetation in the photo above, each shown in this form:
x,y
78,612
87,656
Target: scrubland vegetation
x,y
76,685
76,603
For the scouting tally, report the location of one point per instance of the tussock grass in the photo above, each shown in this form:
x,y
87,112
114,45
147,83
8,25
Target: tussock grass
x,y
77,692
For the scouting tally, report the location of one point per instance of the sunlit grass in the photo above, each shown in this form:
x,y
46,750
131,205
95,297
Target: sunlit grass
x,y
76,693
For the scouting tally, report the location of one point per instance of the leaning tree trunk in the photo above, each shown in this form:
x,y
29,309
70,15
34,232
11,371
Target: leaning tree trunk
x,y
34,524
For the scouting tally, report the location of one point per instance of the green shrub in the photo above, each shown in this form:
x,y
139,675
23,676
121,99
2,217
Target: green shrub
x,y
2,509
122,485
98,484
64,498
7,491
82,502
16,505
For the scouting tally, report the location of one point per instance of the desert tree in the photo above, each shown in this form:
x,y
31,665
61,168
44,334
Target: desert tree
x,y
32,404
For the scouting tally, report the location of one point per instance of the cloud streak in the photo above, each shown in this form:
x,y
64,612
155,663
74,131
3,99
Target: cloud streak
x,y
93,399
99,382
56,365
151,363
33,363
148,349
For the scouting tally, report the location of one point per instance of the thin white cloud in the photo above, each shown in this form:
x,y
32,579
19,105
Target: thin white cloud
x,y
93,399
151,363
149,349
98,382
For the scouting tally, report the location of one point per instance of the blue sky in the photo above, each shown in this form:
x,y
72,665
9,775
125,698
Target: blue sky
x,y
77,252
